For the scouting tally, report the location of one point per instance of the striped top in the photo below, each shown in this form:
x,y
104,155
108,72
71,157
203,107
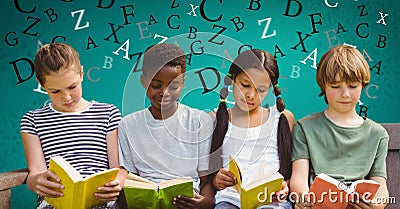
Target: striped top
x,y
80,137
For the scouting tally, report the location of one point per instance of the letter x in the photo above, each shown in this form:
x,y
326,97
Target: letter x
x,y
194,7
382,18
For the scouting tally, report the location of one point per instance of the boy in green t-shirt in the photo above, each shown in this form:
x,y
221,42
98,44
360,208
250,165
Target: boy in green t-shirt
x,y
337,141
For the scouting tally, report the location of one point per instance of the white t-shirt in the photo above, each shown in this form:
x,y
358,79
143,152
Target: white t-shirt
x,y
254,148
160,150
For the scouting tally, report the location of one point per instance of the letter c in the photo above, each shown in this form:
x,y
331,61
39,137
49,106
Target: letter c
x,y
90,77
327,4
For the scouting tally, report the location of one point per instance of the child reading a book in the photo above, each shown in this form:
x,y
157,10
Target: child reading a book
x,y
255,136
168,139
337,141
83,132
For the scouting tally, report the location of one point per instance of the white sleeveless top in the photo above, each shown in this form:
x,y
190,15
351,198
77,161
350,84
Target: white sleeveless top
x,y
254,148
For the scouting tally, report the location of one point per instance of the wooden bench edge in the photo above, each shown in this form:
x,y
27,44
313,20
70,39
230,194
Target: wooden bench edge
x,y
13,178
393,130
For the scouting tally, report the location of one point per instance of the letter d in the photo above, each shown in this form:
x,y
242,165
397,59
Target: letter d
x,y
206,90
265,194
14,63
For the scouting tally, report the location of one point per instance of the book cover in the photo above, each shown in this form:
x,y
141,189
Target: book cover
x,y
142,193
329,193
258,189
78,191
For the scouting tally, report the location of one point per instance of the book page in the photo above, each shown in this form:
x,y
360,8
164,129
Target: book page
x,y
69,178
135,177
367,188
92,182
260,177
172,182
57,163
129,183
329,179
234,167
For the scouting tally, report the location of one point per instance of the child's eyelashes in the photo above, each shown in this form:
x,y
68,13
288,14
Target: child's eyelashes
x,y
353,86
155,86
173,87
54,91
259,90
245,85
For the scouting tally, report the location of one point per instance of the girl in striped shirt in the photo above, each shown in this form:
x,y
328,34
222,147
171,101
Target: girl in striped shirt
x,y
83,132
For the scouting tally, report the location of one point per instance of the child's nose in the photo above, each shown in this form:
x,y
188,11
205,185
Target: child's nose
x,y
66,96
164,91
250,94
345,92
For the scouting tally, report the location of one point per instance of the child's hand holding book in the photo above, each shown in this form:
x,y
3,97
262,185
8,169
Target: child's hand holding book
x,y
45,183
281,195
256,190
224,179
109,192
198,201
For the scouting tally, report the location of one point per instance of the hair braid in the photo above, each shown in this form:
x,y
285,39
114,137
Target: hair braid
x,y
222,116
284,135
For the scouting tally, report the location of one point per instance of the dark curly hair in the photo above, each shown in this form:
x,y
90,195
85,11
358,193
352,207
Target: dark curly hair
x,y
163,54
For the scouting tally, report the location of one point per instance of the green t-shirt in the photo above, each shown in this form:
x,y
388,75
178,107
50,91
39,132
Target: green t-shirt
x,y
346,154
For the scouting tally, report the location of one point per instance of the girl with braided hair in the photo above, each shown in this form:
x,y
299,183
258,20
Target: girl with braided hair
x,y
254,135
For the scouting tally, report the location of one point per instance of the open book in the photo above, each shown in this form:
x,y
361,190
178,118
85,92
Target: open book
x,y
143,193
258,189
327,192
78,191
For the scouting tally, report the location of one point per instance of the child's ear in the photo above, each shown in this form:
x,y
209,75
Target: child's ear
x,y
81,73
183,82
41,85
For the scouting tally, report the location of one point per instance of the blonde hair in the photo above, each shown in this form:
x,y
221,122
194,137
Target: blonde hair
x,y
53,57
342,63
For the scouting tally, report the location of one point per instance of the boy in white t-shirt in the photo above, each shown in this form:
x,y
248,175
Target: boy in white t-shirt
x,y
168,139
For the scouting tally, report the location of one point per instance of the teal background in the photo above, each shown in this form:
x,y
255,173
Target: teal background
x,y
117,81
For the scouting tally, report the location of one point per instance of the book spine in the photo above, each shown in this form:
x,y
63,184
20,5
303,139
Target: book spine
x,y
243,199
79,195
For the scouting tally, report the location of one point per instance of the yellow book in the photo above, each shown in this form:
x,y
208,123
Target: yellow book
x,y
257,190
78,191
142,193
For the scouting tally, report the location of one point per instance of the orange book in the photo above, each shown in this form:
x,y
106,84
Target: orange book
x,y
329,193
